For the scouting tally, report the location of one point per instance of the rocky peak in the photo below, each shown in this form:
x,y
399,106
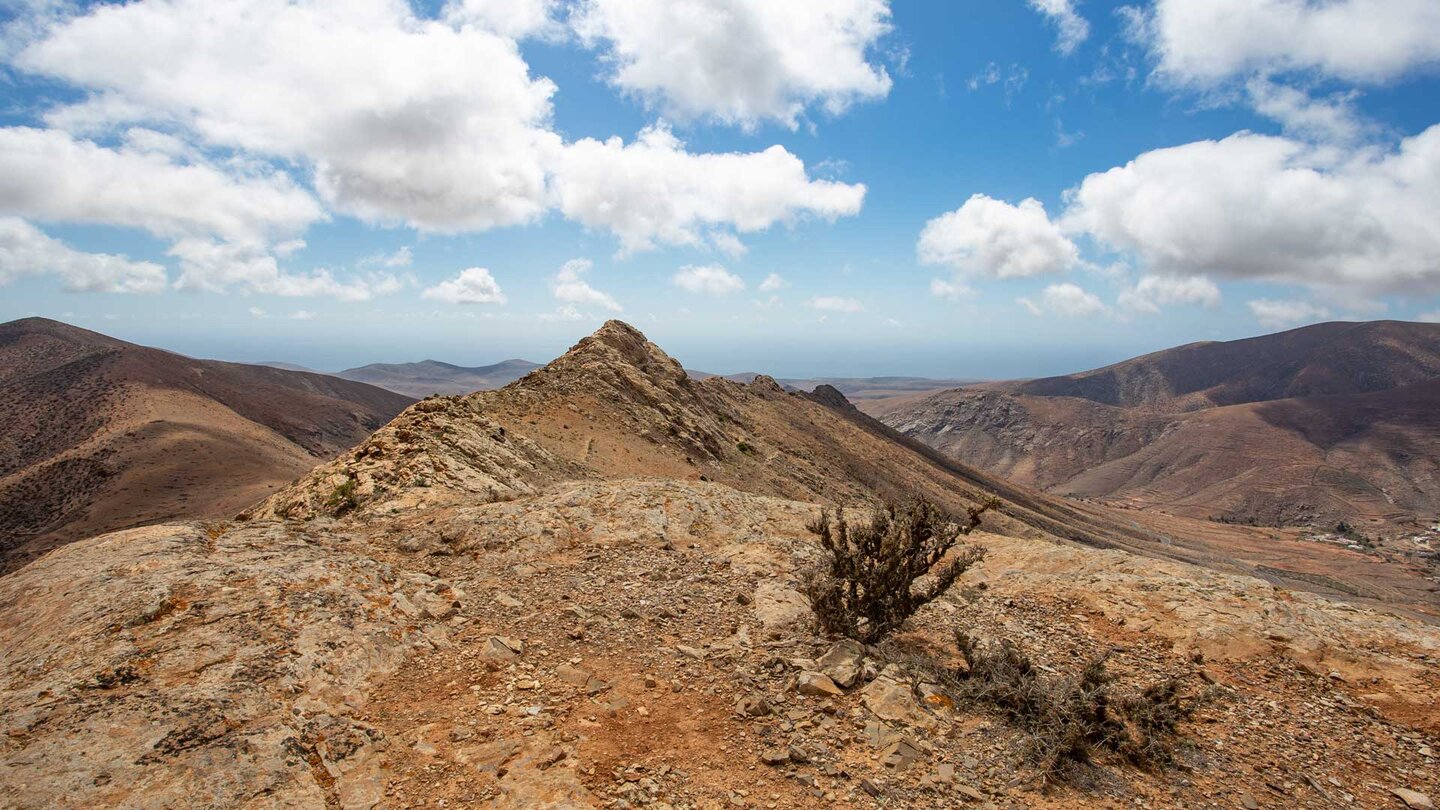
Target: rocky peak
x,y
830,397
618,345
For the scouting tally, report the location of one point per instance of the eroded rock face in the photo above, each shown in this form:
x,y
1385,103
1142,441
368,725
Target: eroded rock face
x,y
209,663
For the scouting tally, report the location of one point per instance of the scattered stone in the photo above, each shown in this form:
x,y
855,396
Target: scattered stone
x,y
506,600
1413,799
900,754
752,706
817,684
890,698
691,652
500,648
775,756
778,607
1248,802
842,662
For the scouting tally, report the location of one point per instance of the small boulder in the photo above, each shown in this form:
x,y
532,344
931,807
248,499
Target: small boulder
x,y
775,757
817,684
1413,799
842,662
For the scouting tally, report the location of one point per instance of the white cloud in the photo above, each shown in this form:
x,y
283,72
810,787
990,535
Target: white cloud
x,y
400,119
209,266
729,244
1072,29
989,237
773,283
740,61
835,303
1429,317
48,175
654,191
302,315
568,285
396,119
1355,40
710,279
953,290
258,314
26,251
1153,292
474,285
517,19
1275,209
1326,120
1066,300
1283,314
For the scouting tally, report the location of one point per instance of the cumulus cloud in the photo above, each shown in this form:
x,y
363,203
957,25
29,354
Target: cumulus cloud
x,y
27,251
1071,28
773,283
1355,40
835,303
1333,119
1066,300
740,61
654,191
1150,293
569,285
211,266
258,314
402,119
394,118
991,238
474,285
51,176
517,19
1282,314
1275,209
710,279
1429,317
302,315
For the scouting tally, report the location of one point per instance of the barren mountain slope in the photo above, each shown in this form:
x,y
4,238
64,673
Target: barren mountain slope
x,y
496,614
99,434
1367,458
429,377
1324,359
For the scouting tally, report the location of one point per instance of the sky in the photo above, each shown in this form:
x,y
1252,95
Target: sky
x,y
976,188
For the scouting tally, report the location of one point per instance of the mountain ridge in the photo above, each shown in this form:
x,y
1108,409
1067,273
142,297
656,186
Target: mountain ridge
x,y
103,434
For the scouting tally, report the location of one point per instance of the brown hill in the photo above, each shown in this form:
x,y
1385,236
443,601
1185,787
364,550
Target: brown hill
x,y
528,598
99,434
429,377
1329,423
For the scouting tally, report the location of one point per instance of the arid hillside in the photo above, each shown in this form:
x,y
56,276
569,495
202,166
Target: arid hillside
x,y
427,377
1329,423
583,590
98,434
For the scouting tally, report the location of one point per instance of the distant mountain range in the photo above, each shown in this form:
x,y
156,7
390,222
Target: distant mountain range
x,y
99,434
854,388
1328,423
434,377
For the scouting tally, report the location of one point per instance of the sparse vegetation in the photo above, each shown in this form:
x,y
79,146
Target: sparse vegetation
x,y
1068,718
343,498
745,447
867,587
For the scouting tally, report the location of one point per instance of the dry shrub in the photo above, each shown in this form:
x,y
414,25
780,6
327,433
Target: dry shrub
x,y
867,587
1067,718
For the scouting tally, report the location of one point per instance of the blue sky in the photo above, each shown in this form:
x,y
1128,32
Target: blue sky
x,y
1048,185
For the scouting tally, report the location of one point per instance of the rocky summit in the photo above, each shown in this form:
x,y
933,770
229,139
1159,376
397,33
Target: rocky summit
x,y
585,590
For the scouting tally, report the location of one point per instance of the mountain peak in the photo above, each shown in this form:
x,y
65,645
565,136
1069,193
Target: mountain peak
x,y
618,344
